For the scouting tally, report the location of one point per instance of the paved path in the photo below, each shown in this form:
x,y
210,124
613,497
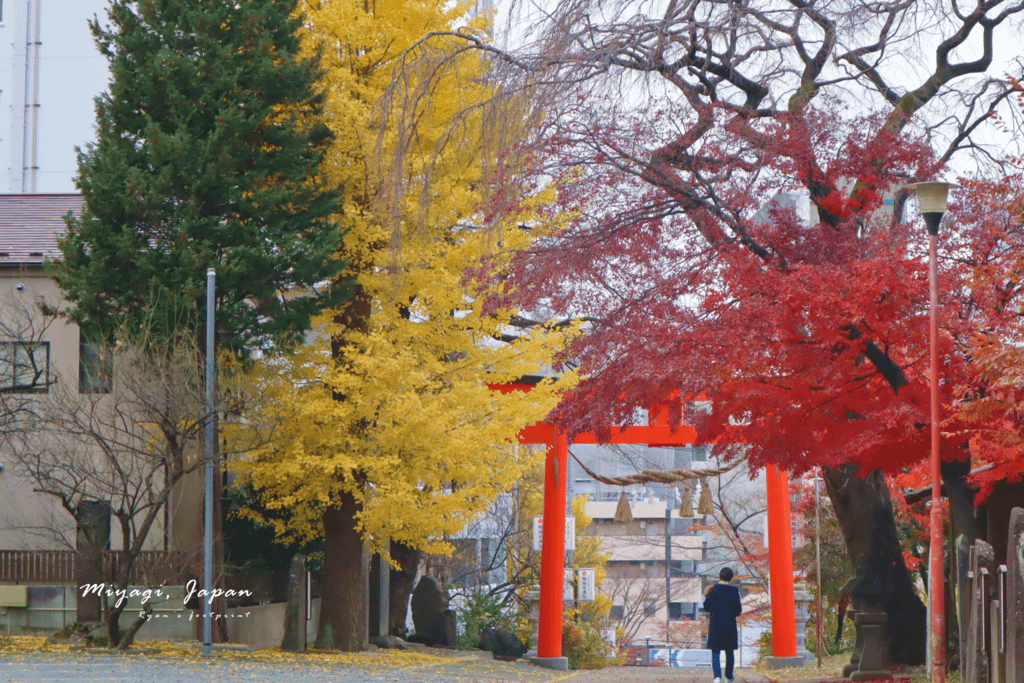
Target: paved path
x,y
655,674
89,668
319,668
233,666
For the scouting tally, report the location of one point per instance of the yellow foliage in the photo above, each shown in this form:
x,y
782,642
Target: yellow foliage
x,y
399,413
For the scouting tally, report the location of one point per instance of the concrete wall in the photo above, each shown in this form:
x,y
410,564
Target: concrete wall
x,y
51,608
263,625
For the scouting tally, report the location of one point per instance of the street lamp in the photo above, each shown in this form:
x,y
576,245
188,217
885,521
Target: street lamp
x,y
932,198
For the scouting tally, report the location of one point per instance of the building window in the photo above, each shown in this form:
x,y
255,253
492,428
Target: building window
x,y
95,367
650,609
617,612
24,367
681,568
682,610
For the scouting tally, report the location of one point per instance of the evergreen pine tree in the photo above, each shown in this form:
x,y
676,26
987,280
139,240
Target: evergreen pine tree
x,y
208,145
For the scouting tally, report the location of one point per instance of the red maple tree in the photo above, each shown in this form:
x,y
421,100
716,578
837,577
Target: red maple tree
x,y
988,407
807,327
670,133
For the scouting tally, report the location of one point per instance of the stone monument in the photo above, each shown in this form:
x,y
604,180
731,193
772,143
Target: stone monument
x,y
982,563
433,621
867,594
295,613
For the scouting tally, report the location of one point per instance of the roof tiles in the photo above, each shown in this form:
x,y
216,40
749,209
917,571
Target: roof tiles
x,y
30,225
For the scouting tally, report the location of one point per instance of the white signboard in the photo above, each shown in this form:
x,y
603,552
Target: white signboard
x,y
586,583
567,589
538,533
608,634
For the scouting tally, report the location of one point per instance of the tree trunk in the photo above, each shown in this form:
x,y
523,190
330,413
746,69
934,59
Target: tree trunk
x,y
402,584
129,635
113,623
865,514
344,604
345,593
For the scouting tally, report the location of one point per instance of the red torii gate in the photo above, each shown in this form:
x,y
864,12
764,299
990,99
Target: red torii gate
x,y
661,431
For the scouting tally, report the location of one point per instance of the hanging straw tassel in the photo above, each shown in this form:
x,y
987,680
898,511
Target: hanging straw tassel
x,y
705,506
622,512
686,507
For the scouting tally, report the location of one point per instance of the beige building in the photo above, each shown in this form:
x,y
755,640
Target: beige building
x,y
31,352
653,567
40,354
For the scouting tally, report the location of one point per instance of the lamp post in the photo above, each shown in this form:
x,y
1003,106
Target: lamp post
x,y
932,199
817,555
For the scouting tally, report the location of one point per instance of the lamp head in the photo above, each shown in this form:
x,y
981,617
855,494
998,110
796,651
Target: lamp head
x,y
931,196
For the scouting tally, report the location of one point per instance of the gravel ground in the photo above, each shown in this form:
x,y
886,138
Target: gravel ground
x,y
280,668
88,668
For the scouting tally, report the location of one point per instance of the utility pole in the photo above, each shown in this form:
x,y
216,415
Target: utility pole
x,y
208,519
668,567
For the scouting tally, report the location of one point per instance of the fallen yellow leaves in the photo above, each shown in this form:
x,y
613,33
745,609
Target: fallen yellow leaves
x,y
382,665
389,659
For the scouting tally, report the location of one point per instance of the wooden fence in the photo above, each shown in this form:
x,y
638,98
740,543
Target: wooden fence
x,y
152,567
991,610
37,566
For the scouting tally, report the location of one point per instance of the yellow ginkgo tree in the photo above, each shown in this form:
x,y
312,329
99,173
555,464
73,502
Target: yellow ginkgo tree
x,y
385,427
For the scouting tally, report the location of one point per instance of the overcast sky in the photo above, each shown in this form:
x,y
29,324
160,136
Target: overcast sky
x,y
71,74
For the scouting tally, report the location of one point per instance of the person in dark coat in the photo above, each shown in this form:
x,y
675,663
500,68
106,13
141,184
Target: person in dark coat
x,y
722,602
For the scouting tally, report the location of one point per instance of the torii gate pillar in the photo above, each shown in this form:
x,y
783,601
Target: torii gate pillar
x,y
780,560
552,576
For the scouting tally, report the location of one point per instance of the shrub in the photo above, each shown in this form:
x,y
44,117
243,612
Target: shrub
x,y
846,642
764,646
482,611
583,645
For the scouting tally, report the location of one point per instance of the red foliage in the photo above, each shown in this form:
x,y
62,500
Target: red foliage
x,y
698,281
991,402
